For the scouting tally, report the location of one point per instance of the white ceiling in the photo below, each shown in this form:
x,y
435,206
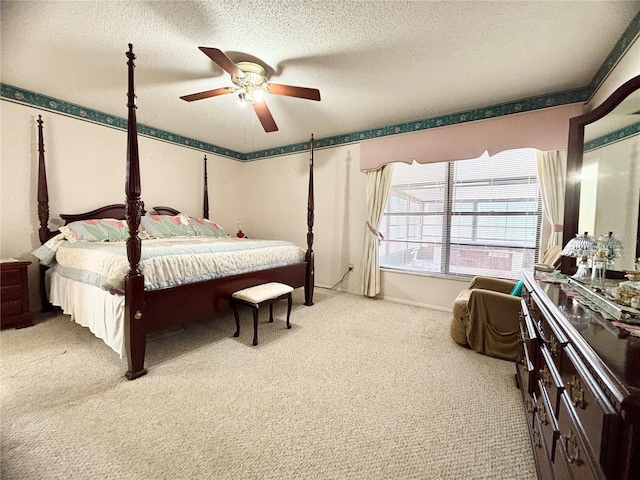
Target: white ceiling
x,y
375,63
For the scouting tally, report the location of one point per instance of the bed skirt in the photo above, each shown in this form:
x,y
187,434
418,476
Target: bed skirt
x,y
92,307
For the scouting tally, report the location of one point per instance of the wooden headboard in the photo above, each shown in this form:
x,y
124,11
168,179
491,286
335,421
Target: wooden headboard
x,y
117,210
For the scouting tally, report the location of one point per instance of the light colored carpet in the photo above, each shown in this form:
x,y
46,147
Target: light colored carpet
x,y
357,389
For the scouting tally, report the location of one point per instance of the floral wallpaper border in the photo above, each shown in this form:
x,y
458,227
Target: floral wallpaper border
x,y
17,95
615,136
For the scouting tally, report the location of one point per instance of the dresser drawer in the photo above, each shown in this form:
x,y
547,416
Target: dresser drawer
x,y
578,455
596,414
541,452
525,368
547,418
550,378
549,332
561,468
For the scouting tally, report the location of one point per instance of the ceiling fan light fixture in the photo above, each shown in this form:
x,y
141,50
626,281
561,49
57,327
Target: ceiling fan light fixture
x,y
258,95
250,83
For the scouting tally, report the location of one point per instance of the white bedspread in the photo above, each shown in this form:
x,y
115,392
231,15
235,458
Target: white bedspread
x,y
166,262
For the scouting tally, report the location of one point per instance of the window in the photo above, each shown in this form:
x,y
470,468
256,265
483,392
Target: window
x,y
469,217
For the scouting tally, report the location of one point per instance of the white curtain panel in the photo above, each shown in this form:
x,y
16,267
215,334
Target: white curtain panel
x,y
552,176
377,190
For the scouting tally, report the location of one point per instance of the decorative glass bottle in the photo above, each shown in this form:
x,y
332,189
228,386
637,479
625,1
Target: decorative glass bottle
x,y
599,269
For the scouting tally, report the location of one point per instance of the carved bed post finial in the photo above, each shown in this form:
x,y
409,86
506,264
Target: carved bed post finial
x,y
43,191
309,257
205,205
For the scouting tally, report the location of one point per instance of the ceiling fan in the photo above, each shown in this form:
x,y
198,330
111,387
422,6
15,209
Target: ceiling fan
x,y
250,83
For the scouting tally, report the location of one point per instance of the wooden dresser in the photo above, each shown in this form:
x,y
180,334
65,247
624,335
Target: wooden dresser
x,y
14,294
580,382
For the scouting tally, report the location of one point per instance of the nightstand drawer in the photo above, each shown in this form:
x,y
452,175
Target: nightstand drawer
x,y
14,294
12,307
11,277
10,293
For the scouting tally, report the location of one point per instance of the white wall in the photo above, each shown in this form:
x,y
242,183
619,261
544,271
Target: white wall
x,y
86,170
278,185
277,208
618,192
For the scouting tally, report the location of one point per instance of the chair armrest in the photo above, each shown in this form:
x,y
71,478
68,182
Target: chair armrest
x,y
495,284
498,309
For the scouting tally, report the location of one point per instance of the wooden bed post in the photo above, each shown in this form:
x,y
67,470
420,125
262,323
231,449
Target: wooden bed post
x,y
43,191
134,331
310,273
205,200
43,211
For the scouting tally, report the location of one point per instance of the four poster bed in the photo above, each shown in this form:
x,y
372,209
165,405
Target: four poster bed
x,y
135,295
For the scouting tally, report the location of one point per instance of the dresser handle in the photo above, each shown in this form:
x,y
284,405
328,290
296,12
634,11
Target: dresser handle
x,y
573,451
546,376
576,392
536,439
529,406
542,412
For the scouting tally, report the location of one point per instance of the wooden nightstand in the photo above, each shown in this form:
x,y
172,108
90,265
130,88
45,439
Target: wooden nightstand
x,y
14,294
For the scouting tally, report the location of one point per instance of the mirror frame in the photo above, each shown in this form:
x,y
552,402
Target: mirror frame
x,y
574,167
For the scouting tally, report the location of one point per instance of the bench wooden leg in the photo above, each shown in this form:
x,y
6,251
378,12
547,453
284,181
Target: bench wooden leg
x,y
255,325
271,312
237,317
289,301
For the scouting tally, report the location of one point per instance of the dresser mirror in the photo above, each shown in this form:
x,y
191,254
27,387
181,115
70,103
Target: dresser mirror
x,y
603,175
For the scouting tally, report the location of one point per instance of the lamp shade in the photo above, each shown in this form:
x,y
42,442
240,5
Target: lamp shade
x,y
582,245
611,245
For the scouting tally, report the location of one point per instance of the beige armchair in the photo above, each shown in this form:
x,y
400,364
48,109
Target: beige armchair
x,y
486,318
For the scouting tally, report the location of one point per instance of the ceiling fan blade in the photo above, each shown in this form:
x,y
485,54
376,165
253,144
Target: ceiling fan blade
x,y
207,94
225,62
265,117
291,91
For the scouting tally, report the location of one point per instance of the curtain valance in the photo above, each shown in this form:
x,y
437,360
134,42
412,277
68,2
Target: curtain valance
x,y
544,129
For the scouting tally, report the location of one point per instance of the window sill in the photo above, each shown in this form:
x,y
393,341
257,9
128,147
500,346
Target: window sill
x,y
444,276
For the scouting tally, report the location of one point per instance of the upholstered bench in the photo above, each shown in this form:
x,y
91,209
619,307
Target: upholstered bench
x,y
255,297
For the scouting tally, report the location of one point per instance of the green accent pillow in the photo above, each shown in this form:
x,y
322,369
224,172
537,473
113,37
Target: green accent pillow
x,y
165,226
517,290
99,230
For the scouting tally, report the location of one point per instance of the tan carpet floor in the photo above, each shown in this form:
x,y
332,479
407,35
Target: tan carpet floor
x,y
357,389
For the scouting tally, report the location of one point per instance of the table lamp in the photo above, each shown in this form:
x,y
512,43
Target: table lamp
x,y
582,247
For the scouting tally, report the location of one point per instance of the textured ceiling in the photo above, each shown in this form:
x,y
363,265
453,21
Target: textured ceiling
x,y
375,63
